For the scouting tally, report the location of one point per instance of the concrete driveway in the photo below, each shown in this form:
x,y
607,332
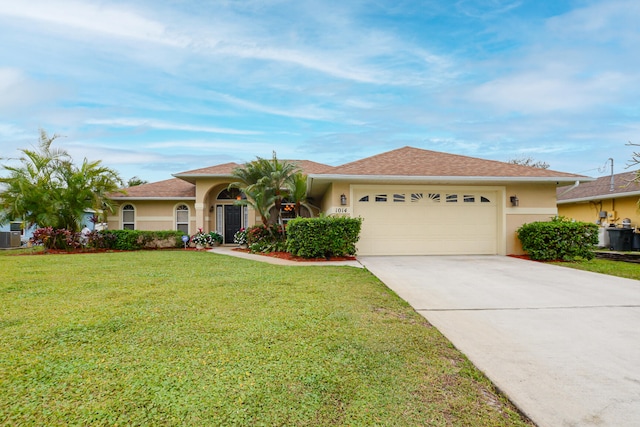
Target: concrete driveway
x,y
563,344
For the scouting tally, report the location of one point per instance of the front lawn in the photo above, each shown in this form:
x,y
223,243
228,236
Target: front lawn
x,y
613,268
190,338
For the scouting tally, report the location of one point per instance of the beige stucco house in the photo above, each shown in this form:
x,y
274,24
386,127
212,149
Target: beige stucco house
x,y
413,201
606,200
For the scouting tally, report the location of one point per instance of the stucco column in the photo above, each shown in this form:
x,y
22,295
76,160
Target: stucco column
x,y
199,216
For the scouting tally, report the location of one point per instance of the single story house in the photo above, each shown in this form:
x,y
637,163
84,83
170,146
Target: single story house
x,y
608,200
412,201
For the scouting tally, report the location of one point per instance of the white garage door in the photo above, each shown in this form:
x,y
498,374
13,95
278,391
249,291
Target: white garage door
x,y
426,221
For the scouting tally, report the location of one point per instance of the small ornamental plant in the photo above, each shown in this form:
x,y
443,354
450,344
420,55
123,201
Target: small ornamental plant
x,y
200,238
240,238
215,238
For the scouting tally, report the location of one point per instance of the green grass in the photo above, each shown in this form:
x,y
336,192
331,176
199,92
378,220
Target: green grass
x,y
613,268
189,338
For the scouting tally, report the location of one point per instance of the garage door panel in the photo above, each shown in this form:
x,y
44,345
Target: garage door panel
x,y
422,222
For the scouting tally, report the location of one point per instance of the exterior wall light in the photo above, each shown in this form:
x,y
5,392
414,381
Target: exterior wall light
x,y
514,200
343,200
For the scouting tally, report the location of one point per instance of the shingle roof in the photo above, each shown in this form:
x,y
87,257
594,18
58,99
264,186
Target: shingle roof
x,y
307,166
223,169
601,188
410,161
170,188
403,162
226,169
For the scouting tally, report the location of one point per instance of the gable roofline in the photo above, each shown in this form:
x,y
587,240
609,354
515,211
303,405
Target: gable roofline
x,y
602,188
462,179
186,199
599,197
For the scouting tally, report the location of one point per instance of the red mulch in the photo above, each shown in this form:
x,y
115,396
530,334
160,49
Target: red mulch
x,y
281,255
290,257
528,258
93,251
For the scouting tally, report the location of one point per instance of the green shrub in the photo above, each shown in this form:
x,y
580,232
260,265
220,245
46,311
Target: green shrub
x,y
323,237
131,240
559,239
266,238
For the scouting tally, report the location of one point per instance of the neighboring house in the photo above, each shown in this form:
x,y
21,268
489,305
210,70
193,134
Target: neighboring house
x,y
413,202
15,227
603,201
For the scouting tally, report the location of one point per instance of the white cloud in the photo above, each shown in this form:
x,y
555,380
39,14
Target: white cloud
x,y
19,92
545,92
295,111
159,124
114,21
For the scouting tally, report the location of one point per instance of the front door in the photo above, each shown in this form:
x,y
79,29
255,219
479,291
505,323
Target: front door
x,y
232,221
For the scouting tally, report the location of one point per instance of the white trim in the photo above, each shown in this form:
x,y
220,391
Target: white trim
x,y
599,197
167,198
473,180
135,216
188,221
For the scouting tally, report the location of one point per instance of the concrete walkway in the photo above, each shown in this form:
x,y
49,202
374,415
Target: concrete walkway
x,y
229,250
563,344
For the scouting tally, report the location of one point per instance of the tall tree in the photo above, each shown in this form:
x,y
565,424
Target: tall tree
x,y
266,183
133,181
47,189
529,161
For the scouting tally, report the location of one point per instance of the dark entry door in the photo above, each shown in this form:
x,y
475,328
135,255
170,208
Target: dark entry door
x,y
232,221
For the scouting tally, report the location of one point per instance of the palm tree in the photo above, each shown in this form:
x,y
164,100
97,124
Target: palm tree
x,y
259,200
265,183
277,178
47,189
297,186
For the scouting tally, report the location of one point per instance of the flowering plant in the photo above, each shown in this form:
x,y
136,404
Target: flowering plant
x,y
240,237
215,237
200,238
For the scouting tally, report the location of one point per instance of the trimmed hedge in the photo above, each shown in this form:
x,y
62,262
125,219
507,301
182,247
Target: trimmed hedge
x,y
131,240
559,239
323,237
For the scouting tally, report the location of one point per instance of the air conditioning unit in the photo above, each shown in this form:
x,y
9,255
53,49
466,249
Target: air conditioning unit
x,y
10,239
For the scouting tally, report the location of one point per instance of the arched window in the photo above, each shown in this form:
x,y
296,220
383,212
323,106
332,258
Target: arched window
x,y
182,218
230,194
128,217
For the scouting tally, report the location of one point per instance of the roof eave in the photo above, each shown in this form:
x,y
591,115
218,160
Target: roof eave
x,y
152,198
191,178
599,197
494,179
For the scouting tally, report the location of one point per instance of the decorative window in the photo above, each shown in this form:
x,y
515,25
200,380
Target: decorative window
x,y
128,217
364,199
229,194
469,198
452,198
434,197
398,198
381,198
220,217
416,197
484,200
182,219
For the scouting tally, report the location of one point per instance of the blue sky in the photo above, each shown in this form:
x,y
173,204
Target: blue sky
x,y
154,88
